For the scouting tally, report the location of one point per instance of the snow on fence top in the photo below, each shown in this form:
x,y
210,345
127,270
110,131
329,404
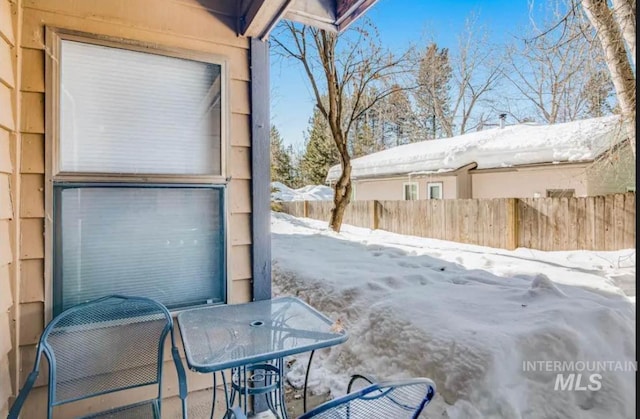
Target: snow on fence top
x,y
512,145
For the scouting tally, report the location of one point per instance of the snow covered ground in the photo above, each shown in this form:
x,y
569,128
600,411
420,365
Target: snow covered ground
x,y
306,193
465,316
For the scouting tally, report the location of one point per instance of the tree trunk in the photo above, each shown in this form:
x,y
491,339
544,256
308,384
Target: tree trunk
x,y
609,33
342,193
624,12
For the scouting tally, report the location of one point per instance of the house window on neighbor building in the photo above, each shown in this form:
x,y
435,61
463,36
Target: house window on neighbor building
x,y
561,193
410,191
138,188
434,190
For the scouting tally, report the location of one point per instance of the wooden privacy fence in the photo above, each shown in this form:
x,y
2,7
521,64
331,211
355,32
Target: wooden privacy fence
x,y
552,224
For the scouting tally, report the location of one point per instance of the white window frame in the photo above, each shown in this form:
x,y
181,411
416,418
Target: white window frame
x,y
54,37
404,190
440,185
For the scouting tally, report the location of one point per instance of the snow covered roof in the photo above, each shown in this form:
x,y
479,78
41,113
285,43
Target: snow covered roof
x,y
512,145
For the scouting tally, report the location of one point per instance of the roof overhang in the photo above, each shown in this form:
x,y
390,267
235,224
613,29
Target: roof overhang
x,y
259,17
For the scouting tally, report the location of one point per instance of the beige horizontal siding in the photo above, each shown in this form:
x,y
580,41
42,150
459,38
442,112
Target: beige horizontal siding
x,y
240,189
32,281
32,70
6,64
32,195
181,19
6,255
6,25
32,156
31,322
32,238
240,289
209,41
241,130
240,226
241,159
239,92
32,113
7,204
6,108
5,151
240,255
6,209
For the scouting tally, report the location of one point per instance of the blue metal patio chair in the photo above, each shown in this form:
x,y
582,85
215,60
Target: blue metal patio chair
x,y
103,346
385,400
392,399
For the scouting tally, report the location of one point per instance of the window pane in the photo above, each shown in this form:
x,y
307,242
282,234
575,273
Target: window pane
x,y
435,192
163,243
410,192
132,112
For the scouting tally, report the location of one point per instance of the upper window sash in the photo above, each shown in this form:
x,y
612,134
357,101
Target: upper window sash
x,y
129,112
410,191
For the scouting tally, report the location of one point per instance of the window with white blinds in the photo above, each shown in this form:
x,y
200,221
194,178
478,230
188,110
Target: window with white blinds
x,y
158,242
126,112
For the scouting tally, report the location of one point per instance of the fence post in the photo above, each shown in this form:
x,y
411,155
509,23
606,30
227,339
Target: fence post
x,y
512,223
374,211
305,208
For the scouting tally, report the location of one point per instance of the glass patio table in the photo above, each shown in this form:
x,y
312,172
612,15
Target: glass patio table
x,y
252,340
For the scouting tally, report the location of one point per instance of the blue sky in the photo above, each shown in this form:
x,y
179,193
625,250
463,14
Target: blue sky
x,y
399,23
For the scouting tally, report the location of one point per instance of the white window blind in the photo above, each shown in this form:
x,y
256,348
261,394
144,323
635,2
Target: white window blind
x,y
132,112
165,243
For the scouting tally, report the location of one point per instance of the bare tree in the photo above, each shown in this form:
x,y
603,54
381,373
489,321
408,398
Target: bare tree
x,y
552,66
346,67
614,27
476,73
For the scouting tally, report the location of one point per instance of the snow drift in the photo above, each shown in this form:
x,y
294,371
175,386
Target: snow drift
x,y
306,193
466,316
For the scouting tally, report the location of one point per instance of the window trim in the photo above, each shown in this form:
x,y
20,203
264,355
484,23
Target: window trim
x,y
404,191
440,185
53,38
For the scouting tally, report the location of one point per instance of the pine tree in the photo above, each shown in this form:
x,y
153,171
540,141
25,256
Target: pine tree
x,y
400,118
432,94
281,169
364,142
597,91
320,151
295,157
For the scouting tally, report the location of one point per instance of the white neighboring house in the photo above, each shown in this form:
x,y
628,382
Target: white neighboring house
x,y
579,158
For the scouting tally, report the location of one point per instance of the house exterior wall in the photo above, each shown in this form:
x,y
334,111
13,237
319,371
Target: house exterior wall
x,y
178,24
8,138
612,173
392,189
526,182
